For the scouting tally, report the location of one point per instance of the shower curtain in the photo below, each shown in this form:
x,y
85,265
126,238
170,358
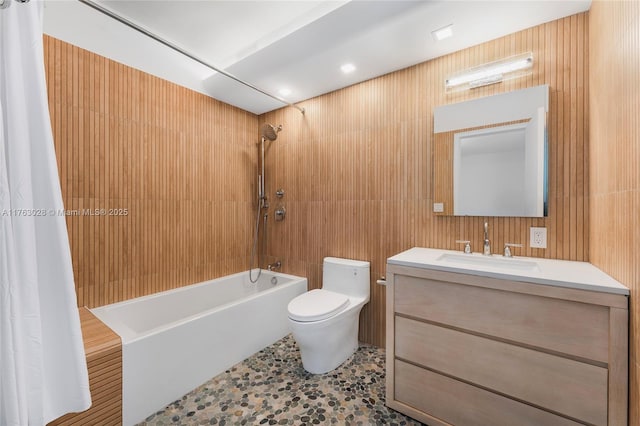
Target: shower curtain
x,y
43,372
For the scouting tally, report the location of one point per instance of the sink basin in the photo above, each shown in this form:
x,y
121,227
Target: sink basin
x,y
498,262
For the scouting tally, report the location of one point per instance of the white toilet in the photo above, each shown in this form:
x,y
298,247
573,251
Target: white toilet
x,y
325,322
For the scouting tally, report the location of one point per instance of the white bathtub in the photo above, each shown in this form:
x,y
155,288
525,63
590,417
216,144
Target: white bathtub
x,y
174,341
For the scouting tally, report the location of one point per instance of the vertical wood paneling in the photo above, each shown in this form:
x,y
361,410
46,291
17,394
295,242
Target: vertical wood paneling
x,y
614,159
158,180
358,173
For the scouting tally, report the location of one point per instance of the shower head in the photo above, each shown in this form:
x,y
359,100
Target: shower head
x,y
269,131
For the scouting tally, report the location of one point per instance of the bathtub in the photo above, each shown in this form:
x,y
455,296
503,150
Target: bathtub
x,y
174,341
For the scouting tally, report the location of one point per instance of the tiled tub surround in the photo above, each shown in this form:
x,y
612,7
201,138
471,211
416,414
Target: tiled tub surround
x,y
271,387
176,340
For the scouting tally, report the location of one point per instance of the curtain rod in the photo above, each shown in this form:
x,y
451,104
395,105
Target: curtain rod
x,y
178,49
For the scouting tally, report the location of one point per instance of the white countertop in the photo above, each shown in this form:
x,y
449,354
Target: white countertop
x,y
559,273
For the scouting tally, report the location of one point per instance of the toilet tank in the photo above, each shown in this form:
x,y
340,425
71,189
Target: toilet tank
x,y
346,276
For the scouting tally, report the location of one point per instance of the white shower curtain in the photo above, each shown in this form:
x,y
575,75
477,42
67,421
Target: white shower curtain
x,y
43,372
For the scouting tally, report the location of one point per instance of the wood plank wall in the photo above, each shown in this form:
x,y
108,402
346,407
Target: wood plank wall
x,y
173,170
357,167
614,227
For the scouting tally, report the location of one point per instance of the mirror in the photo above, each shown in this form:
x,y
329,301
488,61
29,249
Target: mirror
x,y
490,156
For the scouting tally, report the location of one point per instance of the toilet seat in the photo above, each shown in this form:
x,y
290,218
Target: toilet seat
x,y
316,305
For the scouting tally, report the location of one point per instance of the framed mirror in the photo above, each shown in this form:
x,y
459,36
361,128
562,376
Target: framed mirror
x,y
490,156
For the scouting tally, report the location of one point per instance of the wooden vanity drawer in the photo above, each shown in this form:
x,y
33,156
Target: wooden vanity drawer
x,y
565,386
433,393
543,322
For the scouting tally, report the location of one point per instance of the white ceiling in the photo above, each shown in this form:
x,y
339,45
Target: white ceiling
x,y
299,45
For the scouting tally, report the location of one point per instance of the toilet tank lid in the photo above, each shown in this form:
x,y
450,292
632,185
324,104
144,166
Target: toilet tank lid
x,y
347,262
316,305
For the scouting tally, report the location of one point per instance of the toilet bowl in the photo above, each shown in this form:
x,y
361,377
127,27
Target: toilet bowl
x,y
324,322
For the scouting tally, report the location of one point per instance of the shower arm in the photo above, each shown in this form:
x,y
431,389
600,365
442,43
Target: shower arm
x,y
170,45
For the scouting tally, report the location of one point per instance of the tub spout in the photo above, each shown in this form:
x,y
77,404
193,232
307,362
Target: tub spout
x,y
274,266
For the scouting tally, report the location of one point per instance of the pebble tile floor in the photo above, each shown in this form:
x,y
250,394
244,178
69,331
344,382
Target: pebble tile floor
x,y
272,388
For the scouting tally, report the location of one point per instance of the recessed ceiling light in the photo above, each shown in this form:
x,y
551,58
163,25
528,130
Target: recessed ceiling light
x,y
347,68
284,91
442,33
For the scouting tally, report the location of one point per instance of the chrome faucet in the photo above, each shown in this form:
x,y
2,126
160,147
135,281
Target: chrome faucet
x,y
486,250
467,245
507,249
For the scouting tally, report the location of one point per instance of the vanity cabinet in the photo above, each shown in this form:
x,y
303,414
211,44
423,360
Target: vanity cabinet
x,y
464,349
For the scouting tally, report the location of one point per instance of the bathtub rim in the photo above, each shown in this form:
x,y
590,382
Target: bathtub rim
x,y
129,336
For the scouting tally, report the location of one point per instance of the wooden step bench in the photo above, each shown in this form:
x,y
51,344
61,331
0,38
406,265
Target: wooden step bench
x,y
103,350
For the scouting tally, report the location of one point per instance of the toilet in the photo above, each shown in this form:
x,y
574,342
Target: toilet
x,y
324,322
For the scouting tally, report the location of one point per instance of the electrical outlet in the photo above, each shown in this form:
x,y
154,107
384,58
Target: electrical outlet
x,y
438,207
538,237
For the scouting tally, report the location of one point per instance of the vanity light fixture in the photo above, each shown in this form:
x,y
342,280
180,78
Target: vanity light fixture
x,y
491,73
442,33
348,68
